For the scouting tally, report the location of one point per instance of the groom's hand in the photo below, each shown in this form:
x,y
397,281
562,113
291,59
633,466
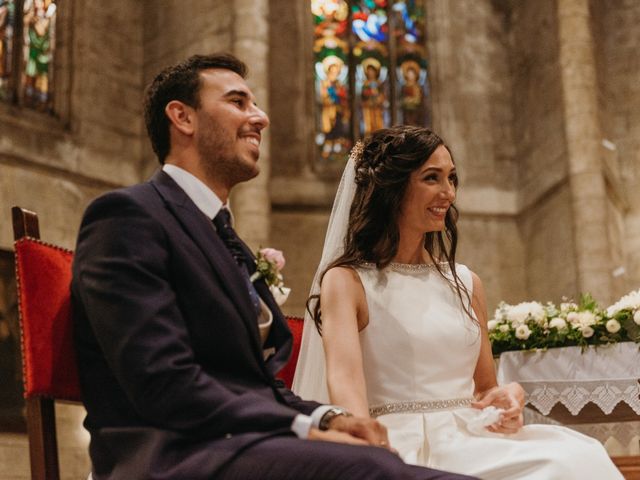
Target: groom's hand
x,y
334,436
367,429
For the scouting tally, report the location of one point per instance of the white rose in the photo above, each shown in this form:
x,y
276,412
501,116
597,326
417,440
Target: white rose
x,y
537,312
558,323
573,317
523,332
636,317
587,331
492,324
504,328
613,326
587,319
517,316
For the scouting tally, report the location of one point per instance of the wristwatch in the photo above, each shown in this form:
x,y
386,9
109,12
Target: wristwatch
x,y
330,414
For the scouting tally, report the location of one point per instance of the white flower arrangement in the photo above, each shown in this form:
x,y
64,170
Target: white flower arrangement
x,y
630,303
532,325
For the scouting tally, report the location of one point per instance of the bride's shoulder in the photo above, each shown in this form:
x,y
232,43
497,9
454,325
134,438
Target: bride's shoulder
x,y
342,282
469,277
463,271
341,276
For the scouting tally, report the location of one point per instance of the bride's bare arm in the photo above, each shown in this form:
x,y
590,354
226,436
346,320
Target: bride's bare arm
x,y
508,397
344,314
485,374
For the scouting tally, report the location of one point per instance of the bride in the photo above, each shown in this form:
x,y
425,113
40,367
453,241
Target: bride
x,y
403,325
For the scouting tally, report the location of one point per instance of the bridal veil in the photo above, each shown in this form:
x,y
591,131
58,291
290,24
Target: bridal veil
x,y
309,380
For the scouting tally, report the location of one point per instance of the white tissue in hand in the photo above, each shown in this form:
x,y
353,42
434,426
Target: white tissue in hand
x,y
487,416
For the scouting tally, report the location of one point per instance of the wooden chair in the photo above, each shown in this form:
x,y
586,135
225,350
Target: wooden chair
x,y
43,275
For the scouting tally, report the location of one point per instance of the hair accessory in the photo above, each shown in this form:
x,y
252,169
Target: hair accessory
x,y
356,151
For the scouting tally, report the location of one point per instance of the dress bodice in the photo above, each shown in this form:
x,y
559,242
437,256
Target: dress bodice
x,y
420,351
419,344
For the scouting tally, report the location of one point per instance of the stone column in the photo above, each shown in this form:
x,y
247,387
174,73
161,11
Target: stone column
x,y
250,201
584,137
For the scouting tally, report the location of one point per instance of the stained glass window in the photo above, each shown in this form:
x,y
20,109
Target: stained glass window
x,y
370,70
28,38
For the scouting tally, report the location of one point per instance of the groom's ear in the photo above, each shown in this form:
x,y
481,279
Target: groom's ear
x,y
181,116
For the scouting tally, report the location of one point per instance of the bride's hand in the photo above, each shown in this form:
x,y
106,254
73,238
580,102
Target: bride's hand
x,y
509,398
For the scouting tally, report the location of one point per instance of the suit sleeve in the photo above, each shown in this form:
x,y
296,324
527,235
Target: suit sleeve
x,y
121,280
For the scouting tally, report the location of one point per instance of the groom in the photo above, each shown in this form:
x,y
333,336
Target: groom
x,y
172,364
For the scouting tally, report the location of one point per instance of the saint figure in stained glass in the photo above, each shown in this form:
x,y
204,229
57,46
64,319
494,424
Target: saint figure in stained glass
x,y
370,29
335,106
411,93
331,50
7,22
411,71
372,95
39,27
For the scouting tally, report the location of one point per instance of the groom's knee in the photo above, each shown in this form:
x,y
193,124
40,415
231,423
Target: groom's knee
x,y
373,463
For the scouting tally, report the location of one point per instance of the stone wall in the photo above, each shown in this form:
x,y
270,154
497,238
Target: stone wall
x,y
180,29
301,199
545,221
617,41
174,32
468,44
55,165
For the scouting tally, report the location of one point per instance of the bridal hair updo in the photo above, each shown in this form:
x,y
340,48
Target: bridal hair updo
x,y
384,162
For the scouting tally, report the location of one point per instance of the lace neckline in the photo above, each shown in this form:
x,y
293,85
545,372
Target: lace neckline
x,y
409,267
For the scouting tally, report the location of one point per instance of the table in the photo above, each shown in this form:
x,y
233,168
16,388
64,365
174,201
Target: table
x,y
596,391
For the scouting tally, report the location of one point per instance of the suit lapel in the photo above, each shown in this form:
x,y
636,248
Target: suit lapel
x,y
280,336
201,231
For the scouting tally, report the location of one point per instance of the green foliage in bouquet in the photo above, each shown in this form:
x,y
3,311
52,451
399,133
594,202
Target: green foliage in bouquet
x,y
268,270
532,325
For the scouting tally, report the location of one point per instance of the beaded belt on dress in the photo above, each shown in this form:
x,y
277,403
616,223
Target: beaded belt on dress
x,y
418,406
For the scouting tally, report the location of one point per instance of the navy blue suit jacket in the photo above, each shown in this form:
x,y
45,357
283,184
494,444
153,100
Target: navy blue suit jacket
x,y
168,348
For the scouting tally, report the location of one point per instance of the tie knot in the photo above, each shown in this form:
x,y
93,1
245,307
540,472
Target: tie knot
x,y
229,236
222,220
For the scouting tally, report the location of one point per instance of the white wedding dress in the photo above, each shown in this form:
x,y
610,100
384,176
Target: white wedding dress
x,y
419,355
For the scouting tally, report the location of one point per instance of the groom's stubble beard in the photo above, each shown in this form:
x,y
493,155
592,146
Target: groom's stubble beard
x,y
217,150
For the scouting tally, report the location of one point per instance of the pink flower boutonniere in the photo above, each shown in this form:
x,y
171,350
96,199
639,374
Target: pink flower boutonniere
x,y
269,263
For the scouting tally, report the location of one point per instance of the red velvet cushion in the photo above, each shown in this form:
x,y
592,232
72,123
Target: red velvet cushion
x,y
286,374
43,273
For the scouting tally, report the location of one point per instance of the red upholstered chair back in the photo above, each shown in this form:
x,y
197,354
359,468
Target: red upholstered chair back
x,y
43,275
286,374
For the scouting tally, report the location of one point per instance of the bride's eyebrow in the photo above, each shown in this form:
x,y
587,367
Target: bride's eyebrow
x,y
437,169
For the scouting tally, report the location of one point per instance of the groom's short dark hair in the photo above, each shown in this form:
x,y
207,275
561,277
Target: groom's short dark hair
x,y
180,82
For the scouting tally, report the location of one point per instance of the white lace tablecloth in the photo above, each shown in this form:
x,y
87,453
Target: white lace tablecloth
x,y
605,376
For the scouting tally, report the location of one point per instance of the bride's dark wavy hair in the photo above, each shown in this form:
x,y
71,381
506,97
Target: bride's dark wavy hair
x,y
383,169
